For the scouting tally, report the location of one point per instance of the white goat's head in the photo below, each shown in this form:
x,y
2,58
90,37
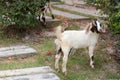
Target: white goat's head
x,y
97,27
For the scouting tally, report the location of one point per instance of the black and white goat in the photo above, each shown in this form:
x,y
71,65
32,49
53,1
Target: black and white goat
x,y
43,11
66,40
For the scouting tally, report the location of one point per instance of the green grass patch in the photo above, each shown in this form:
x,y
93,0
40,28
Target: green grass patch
x,y
5,40
32,61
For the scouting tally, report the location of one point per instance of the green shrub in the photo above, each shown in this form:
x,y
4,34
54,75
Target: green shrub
x,y
115,22
112,9
21,12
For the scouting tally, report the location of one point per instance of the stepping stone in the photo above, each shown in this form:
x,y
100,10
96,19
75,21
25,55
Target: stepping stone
x,y
16,50
80,10
25,71
49,19
68,15
72,2
37,73
55,2
47,76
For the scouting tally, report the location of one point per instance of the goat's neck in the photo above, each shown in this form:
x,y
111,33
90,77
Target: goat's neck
x,y
94,34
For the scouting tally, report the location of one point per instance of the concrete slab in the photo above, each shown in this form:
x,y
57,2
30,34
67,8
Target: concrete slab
x,y
26,71
55,3
68,15
16,50
47,76
49,19
80,10
72,2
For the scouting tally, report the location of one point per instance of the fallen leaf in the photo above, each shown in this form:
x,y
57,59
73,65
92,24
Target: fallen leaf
x,y
58,17
109,42
109,49
38,33
49,52
9,58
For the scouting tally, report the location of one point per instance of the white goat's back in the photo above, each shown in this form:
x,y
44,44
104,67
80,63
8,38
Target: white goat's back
x,y
78,39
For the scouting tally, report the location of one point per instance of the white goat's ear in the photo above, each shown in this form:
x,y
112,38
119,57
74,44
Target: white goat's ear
x,y
89,26
94,22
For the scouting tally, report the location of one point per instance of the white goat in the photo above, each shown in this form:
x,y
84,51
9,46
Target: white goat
x,y
67,40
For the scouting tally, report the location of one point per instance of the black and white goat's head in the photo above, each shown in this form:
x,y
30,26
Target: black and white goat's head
x,y
96,27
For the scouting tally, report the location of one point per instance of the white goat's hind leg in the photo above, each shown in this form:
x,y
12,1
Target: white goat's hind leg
x,y
65,58
57,58
91,49
58,54
40,17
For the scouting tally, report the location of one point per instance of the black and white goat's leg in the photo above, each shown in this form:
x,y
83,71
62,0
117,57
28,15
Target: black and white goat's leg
x,y
43,18
50,9
91,50
42,15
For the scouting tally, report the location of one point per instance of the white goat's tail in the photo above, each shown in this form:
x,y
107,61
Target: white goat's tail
x,y
59,32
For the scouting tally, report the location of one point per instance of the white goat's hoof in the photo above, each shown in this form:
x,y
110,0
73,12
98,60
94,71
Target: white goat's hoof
x,y
65,73
57,69
92,66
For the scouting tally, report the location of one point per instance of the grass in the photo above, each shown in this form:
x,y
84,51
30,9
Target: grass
x,y
31,61
78,64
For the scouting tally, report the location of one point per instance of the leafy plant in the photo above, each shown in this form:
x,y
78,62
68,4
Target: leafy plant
x,y
112,9
20,12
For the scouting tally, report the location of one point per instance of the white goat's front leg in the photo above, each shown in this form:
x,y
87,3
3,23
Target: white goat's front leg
x,y
91,49
65,58
42,15
50,9
66,51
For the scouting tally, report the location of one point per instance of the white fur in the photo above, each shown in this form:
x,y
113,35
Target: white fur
x,y
79,39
